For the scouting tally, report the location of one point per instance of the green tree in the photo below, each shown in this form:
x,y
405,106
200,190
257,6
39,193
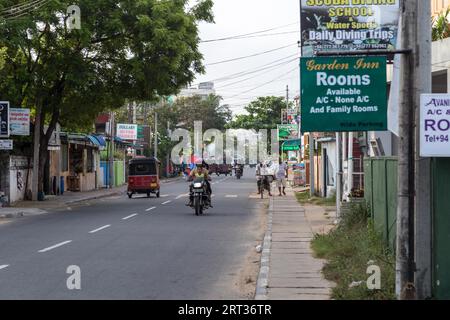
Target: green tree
x,y
441,26
263,113
125,50
2,57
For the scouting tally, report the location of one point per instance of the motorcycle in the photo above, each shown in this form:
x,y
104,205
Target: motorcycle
x,y
199,198
238,172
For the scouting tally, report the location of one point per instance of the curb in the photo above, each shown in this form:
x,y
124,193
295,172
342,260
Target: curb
x,y
116,193
22,213
263,278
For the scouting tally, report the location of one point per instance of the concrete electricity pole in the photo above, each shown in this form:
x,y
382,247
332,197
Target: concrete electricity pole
x,y
156,135
413,260
37,137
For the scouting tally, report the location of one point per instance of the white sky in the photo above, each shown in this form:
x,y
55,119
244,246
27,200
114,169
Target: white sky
x,y
236,17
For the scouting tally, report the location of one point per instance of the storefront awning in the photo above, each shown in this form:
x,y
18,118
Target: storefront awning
x,y
97,140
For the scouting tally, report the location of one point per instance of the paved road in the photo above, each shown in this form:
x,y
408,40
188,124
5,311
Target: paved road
x,y
139,248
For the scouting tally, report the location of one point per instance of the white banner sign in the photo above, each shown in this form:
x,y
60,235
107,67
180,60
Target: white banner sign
x,y
6,144
127,131
19,122
435,125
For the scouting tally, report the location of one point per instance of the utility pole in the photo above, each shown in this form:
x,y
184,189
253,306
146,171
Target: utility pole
x,y
156,135
404,284
311,165
111,150
350,164
338,175
413,205
37,136
423,220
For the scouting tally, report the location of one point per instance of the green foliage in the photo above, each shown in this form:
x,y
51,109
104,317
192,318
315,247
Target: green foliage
x,y
348,250
263,113
125,50
304,198
441,26
2,57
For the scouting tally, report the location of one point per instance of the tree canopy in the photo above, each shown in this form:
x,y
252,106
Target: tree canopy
x,y
262,113
124,50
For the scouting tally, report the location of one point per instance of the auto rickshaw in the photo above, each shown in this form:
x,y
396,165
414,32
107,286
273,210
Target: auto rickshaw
x,y
143,177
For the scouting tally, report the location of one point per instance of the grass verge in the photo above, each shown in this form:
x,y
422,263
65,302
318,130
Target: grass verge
x,y
349,249
304,198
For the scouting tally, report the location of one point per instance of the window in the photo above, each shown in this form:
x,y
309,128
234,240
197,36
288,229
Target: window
x,y
143,169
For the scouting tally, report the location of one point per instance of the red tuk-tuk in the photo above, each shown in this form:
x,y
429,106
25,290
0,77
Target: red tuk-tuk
x,y
143,177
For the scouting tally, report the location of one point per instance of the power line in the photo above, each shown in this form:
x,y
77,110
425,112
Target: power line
x,y
255,76
253,70
259,36
250,56
22,9
266,83
241,36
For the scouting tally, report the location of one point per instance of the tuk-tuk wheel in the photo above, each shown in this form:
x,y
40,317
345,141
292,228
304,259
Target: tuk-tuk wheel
x,y
148,194
130,195
157,194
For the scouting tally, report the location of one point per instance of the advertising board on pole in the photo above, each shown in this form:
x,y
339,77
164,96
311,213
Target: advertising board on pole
x,y
343,94
6,144
4,119
127,131
345,25
19,122
435,125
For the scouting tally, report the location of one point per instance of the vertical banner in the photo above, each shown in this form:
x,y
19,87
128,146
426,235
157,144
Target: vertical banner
x,y
345,25
4,119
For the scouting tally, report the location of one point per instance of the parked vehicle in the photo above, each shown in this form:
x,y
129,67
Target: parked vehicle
x,y
143,177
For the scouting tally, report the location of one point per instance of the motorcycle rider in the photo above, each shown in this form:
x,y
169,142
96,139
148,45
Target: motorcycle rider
x,y
200,172
238,166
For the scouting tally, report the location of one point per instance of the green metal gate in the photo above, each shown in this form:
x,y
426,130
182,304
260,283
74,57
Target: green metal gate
x,y
441,227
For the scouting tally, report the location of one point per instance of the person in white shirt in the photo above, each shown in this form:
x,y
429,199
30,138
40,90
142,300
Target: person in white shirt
x,y
262,176
281,175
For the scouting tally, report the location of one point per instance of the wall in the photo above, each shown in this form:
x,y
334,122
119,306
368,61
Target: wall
x,y
18,168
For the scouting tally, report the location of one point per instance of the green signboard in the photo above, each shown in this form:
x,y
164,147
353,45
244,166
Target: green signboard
x,y
343,94
287,131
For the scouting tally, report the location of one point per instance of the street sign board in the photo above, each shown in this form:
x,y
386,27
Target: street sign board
x,y
435,125
6,144
346,25
343,94
287,132
19,122
127,131
4,119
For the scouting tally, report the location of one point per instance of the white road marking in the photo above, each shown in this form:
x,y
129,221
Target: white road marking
x,y
231,196
130,216
101,228
166,202
4,266
181,196
55,246
164,195
150,209
213,195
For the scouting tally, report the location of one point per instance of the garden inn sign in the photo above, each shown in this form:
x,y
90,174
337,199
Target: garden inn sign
x,y
343,94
